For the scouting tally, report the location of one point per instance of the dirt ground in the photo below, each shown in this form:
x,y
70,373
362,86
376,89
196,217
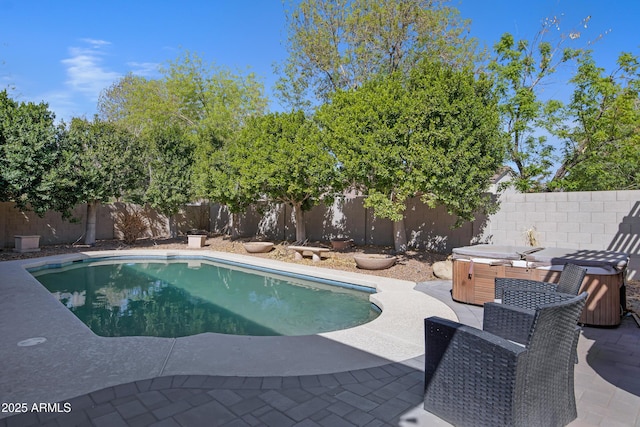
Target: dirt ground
x,y
414,266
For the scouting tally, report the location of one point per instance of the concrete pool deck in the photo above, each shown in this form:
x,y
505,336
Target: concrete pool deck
x,y
606,384
74,361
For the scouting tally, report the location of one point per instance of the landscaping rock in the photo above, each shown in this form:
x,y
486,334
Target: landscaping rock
x,y
443,270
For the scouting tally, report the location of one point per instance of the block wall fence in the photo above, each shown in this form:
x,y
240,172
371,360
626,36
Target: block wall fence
x,y
53,229
600,220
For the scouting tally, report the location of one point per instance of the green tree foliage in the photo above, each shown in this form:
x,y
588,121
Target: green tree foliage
x,y
225,183
170,170
340,44
281,156
30,151
520,69
434,134
101,162
598,126
210,101
196,105
601,129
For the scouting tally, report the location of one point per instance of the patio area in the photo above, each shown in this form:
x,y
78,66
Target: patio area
x,y
348,385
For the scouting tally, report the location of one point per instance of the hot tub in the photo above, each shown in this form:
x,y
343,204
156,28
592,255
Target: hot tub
x,y
476,267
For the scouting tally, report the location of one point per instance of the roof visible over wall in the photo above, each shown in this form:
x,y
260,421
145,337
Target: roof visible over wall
x,y
500,173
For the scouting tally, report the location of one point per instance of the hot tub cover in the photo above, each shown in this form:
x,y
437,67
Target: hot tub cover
x,y
493,251
582,257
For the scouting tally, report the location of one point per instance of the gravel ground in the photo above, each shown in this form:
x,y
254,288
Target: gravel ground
x,y
414,266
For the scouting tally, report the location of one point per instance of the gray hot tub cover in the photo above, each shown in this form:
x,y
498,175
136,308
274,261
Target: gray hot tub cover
x,y
493,251
582,257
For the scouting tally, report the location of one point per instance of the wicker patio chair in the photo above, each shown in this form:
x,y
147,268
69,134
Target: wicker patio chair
x,y
569,283
513,318
476,378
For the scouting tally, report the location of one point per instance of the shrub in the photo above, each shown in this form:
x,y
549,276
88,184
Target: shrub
x,y
131,224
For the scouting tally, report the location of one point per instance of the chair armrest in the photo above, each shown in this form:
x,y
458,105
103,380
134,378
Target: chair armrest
x,y
465,367
443,335
502,283
509,322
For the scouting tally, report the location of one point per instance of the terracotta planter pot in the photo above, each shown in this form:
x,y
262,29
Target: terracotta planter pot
x,y
341,244
257,247
374,261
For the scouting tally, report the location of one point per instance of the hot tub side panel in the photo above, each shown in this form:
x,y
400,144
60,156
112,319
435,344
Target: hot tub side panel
x,y
603,307
474,283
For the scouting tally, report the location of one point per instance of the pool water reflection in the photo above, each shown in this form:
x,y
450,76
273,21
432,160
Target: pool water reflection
x,y
174,298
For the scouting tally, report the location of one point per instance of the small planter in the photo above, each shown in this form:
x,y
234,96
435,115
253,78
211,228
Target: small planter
x,y
257,247
374,261
27,243
197,240
341,244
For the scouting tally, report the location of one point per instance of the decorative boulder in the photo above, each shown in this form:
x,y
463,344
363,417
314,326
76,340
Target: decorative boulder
x,y
443,270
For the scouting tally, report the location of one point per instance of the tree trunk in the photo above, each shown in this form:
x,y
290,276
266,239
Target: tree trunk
x,y
173,227
90,230
298,214
234,220
399,236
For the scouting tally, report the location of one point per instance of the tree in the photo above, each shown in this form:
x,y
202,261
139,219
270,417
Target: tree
x,y
434,134
601,129
170,171
101,162
340,44
30,151
202,106
282,156
226,183
520,69
210,103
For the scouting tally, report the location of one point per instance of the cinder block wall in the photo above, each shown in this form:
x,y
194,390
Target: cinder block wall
x,y
600,220
426,228
55,230
51,227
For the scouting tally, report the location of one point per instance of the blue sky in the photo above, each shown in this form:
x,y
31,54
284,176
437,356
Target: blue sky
x,y
65,52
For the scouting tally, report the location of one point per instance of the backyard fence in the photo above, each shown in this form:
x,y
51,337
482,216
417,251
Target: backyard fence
x,y
600,220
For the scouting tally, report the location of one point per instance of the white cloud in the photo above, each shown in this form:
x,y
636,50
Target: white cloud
x,y
86,72
96,43
144,69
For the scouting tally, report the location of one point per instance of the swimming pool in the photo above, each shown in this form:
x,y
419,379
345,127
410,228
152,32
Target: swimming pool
x,y
182,297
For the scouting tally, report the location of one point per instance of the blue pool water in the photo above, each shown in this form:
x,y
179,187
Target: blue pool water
x,y
174,298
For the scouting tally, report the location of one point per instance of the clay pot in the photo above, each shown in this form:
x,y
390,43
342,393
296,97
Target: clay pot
x,y
341,244
257,247
374,261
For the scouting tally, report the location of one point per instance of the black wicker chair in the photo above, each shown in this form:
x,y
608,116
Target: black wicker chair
x,y
478,378
569,283
513,318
